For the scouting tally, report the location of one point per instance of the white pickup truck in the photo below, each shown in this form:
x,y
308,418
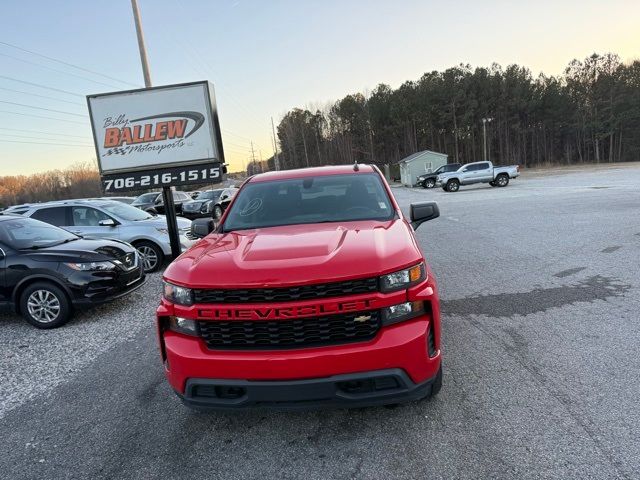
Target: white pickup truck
x,y
477,172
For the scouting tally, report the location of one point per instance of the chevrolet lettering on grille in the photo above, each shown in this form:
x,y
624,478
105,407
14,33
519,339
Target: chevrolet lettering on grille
x,y
271,313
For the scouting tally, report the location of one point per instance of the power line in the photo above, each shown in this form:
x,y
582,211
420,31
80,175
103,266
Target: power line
x,y
44,133
42,116
41,86
43,108
59,71
68,64
46,143
41,96
28,136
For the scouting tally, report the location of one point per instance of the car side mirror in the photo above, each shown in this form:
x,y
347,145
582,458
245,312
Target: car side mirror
x,y
107,222
423,212
201,227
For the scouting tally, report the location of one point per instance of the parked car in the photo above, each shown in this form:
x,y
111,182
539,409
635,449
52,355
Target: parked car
x,y
127,200
223,202
153,203
319,272
115,220
477,172
428,180
47,272
202,205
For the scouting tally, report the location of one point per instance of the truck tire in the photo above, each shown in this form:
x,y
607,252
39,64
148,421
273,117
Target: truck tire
x,y
429,183
44,305
453,185
151,255
502,180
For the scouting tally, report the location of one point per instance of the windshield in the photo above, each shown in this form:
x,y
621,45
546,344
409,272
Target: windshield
x,y
23,233
146,198
125,212
209,195
335,198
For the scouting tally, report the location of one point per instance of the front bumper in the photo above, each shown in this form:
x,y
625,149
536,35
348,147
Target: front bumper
x,y
88,289
308,377
364,389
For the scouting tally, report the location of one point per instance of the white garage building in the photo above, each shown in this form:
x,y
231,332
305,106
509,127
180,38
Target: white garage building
x,y
418,164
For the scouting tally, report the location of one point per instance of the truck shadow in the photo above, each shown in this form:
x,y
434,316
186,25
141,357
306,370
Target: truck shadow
x,y
537,300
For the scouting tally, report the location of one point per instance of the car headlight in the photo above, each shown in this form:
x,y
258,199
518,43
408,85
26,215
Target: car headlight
x,y
183,325
206,208
92,266
403,278
177,294
401,312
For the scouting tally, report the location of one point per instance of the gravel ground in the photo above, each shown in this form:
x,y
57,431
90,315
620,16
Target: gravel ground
x,y
540,290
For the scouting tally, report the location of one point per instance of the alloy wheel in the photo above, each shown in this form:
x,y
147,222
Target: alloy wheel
x,y
149,257
43,306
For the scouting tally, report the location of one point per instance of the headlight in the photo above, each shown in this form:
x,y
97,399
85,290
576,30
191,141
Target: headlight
x,y
403,278
176,294
206,208
92,266
401,312
183,325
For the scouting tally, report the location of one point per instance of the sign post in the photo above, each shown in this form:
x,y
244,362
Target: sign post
x,y
158,137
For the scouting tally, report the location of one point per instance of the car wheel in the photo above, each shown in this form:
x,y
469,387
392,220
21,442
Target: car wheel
x,y
430,183
502,180
453,185
217,212
44,305
151,256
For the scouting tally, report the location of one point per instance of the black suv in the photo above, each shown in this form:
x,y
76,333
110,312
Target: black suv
x,y
46,272
152,202
428,180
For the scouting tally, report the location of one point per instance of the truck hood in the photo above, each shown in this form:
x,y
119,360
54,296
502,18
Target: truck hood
x,y
296,255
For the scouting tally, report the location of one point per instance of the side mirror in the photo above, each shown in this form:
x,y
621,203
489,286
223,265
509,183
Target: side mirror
x,y
107,222
201,227
423,212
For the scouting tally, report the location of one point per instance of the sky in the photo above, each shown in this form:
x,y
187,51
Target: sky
x,y
266,57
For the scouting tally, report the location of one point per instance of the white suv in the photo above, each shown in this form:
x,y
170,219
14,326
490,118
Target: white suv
x,y
113,220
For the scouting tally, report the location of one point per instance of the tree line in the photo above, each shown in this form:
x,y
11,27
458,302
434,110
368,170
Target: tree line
x,y
590,113
81,180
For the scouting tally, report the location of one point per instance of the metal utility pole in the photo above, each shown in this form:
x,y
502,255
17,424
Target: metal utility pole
x,y
276,158
484,136
167,196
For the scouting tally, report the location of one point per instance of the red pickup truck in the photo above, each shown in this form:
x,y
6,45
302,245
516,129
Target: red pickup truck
x,y
311,291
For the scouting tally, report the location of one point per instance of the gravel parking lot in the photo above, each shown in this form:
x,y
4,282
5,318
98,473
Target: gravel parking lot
x,y
540,284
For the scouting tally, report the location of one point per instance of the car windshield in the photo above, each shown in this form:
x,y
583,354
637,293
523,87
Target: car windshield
x,y
146,198
27,233
126,212
209,195
333,198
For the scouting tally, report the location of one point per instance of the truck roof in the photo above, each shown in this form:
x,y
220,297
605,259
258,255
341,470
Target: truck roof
x,y
312,172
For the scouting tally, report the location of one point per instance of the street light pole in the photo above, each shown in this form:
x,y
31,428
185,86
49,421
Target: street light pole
x,y
484,136
167,195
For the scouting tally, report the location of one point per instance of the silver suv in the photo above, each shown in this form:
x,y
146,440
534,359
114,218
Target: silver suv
x,y
115,220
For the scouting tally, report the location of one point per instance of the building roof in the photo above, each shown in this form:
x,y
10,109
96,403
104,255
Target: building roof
x,y
415,156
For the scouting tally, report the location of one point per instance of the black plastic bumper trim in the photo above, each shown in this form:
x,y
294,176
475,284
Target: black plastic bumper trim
x,y
304,394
